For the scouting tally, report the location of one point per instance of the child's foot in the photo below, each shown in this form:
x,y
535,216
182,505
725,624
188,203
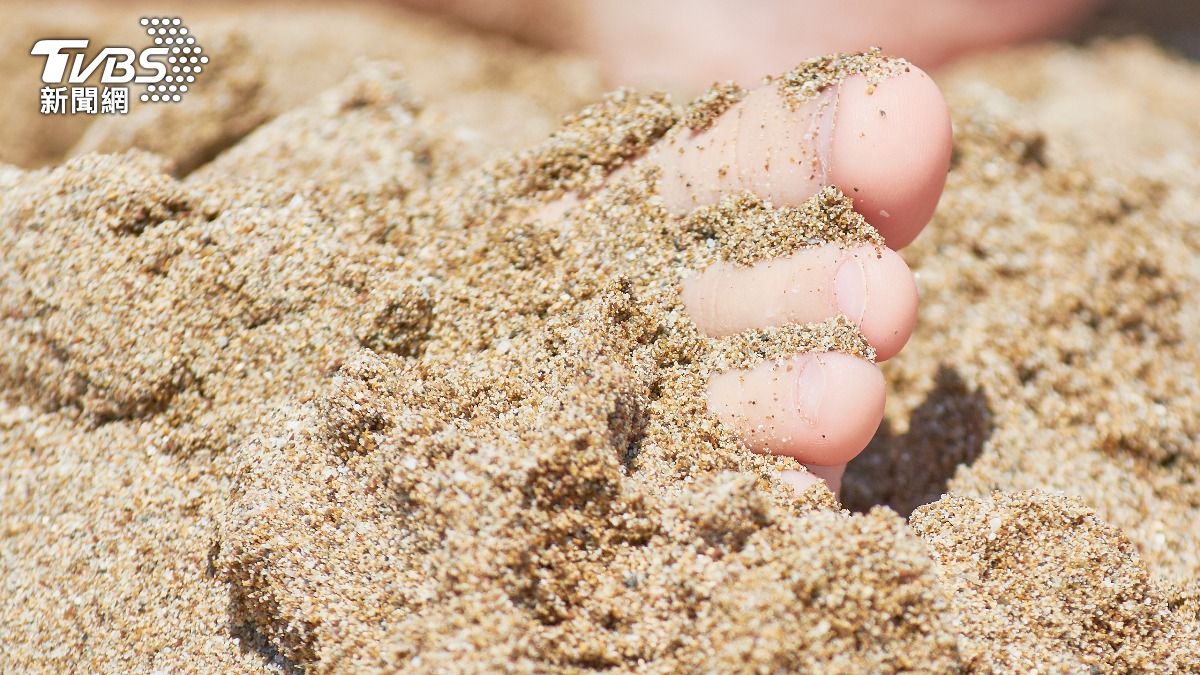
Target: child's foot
x,y
886,144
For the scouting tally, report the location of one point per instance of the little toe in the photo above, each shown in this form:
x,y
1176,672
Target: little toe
x,y
872,287
887,145
821,409
802,480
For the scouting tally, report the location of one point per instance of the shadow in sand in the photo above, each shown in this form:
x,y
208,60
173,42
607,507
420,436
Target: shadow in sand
x,y
904,471
249,639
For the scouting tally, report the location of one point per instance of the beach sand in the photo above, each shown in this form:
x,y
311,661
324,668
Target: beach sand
x,y
314,382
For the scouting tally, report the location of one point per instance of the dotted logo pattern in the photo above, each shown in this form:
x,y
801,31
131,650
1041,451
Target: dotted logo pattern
x,y
184,62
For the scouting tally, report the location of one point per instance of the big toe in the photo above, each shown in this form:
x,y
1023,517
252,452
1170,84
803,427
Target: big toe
x,y
884,141
891,150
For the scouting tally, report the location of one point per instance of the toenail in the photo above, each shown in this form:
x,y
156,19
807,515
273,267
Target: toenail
x,y
810,387
850,289
826,116
799,480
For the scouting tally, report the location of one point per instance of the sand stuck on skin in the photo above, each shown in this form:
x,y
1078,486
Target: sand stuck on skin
x,y
316,385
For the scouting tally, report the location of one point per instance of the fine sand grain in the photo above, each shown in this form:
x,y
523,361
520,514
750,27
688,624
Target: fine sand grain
x,y
324,384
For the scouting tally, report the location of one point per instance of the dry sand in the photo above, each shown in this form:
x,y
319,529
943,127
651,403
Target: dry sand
x,y
314,386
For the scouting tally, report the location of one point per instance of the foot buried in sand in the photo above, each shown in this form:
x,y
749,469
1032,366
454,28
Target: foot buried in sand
x,y
877,129
584,309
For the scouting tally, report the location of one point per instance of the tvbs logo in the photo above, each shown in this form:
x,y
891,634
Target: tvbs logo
x,y
166,70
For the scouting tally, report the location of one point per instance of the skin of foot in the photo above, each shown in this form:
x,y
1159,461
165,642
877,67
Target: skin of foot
x,y
684,45
888,147
886,144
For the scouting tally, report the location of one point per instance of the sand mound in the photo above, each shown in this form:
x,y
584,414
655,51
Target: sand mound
x,y
341,398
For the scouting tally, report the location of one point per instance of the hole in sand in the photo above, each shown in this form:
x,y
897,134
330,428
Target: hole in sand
x,y
906,470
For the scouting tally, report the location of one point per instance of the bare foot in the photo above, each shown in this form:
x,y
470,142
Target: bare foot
x,y
885,144
890,150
